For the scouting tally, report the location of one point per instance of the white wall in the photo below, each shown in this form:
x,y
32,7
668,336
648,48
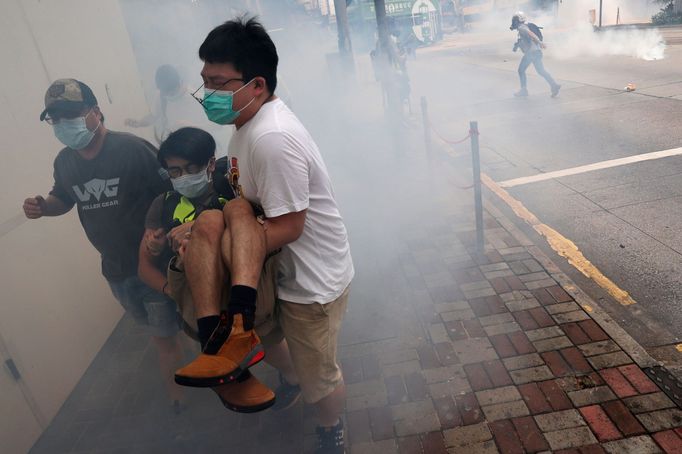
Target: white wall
x,y
56,309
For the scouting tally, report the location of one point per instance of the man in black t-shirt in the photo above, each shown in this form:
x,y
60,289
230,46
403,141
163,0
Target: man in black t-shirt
x,y
112,178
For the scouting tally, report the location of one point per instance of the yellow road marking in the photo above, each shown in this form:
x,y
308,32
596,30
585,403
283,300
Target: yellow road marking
x,y
560,244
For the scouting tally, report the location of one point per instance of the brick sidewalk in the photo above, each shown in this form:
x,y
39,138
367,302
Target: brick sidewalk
x,y
508,363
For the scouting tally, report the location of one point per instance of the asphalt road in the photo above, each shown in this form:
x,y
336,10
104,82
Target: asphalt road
x,y
626,220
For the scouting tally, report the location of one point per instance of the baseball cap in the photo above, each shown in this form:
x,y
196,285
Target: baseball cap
x,y
67,95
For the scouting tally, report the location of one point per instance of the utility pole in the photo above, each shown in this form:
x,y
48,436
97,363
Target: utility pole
x,y
345,47
601,4
385,60
382,24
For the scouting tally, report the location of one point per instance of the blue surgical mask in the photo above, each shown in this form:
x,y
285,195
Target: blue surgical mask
x,y
74,133
218,105
191,185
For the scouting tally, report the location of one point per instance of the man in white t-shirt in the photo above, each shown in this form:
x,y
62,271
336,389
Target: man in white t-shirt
x,y
274,164
174,108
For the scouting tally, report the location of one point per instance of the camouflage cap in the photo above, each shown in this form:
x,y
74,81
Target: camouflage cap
x,y
66,94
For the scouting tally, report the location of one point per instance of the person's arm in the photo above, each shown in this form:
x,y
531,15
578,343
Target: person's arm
x,y
148,273
58,202
148,119
37,207
283,230
152,246
281,173
143,122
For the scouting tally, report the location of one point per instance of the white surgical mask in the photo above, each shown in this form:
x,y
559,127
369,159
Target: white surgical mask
x,y
191,185
74,133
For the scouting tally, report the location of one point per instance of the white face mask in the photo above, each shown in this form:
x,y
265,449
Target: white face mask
x,y
191,185
74,133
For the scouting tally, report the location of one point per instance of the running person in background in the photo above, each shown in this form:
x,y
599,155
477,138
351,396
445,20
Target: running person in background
x,y
274,164
112,178
531,45
175,108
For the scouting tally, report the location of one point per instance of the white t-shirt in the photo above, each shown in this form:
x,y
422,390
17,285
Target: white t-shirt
x,y
275,163
181,110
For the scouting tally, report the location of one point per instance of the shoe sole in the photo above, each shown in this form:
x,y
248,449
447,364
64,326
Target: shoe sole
x,y
249,408
254,357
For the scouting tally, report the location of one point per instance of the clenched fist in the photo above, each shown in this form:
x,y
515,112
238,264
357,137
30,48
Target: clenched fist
x,y
34,207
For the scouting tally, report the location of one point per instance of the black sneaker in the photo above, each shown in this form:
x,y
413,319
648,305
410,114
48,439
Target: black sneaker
x,y
287,395
330,439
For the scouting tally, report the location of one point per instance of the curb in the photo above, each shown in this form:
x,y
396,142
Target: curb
x,y
626,342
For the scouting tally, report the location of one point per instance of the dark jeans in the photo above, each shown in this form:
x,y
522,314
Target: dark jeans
x,y
149,308
536,59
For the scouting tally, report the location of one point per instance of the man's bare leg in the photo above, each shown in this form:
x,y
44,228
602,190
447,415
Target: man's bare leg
x,y
278,357
244,247
203,263
244,254
329,408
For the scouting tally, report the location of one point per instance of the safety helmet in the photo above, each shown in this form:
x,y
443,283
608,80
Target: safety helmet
x,y
517,19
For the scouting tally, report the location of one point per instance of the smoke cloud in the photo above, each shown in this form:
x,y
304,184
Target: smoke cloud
x,y
644,44
570,29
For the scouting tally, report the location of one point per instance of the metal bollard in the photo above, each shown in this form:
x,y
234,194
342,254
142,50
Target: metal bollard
x,y
478,202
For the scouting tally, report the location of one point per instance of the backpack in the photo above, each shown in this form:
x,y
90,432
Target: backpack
x,y
536,30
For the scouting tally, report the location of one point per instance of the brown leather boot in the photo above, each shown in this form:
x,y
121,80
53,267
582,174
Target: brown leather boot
x,y
245,395
229,352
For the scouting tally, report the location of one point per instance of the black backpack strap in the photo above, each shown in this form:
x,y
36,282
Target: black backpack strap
x,y
170,202
221,185
224,189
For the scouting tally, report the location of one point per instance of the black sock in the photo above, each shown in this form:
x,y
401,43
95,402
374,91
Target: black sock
x,y
243,301
206,327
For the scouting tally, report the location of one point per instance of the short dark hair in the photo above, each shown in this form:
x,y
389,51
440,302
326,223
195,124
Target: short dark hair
x,y
193,144
244,43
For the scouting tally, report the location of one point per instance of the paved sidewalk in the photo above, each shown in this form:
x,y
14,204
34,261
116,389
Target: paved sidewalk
x,y
442,350
511,363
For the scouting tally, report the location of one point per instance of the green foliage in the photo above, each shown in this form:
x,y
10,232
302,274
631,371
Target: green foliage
x,y
666,15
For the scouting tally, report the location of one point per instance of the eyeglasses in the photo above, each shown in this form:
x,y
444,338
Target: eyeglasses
x,y
189,169
66,116
201,100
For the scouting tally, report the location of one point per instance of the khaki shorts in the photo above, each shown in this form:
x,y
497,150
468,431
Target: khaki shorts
x,y
312,332
265,325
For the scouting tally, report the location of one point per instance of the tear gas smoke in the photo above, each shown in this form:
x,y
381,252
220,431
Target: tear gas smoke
x,y
644,44
569,30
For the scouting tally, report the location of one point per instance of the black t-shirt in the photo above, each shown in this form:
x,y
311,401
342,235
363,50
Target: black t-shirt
x,y
112,192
